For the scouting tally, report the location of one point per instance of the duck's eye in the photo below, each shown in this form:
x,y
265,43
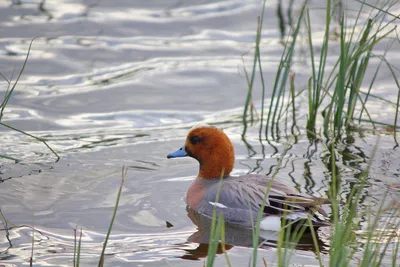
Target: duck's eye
x,y
194,140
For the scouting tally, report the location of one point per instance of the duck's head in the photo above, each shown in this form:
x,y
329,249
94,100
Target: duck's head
x,y
212,149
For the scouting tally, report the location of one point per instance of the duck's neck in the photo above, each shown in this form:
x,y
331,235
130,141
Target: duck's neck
x,y
214,165
213,171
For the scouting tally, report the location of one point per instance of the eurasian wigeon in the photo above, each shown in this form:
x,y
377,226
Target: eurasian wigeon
x,y
241,197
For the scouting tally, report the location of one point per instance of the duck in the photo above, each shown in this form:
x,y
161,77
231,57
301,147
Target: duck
x,y
240,198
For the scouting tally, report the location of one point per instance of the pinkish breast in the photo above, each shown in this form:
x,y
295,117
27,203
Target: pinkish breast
x,y
195,193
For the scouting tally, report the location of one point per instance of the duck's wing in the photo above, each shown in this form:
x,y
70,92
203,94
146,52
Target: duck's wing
x,y
248,193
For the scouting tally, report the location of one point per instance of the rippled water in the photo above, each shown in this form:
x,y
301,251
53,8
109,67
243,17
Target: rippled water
x,y
113,83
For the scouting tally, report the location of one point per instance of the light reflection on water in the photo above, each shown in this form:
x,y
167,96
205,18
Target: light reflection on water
x,y
120,84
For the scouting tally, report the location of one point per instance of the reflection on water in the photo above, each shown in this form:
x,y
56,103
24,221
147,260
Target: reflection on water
x,y
112,83
51,247
236,236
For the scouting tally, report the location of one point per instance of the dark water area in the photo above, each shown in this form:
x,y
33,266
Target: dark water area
x,y
119,83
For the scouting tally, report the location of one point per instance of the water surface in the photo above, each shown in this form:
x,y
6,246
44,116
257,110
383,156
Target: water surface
x,y
113,83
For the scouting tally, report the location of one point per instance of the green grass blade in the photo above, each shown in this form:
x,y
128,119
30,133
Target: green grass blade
x,y
314,238
262,95
250,84
215,230
101,261
35,137
398,99
78,257
223,243
5,101
74,260
256,232
282,75
9,157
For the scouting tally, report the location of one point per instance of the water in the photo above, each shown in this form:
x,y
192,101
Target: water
x,y
120,83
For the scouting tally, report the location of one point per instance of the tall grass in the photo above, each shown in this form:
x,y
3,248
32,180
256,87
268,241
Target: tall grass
x,y
281,77
355,53
347,236
334,95
349,242
250,80
10,89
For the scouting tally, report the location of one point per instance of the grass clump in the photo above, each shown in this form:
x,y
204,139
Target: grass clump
x,y
335,102
359,235
334,94
346,238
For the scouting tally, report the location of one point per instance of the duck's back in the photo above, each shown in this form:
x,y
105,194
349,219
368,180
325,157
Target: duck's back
x,y
240,199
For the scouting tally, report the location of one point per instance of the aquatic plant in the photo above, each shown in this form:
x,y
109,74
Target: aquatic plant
x,y
347,234
333,95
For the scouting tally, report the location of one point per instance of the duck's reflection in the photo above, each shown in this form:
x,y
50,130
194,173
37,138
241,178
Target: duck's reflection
x,y
237,236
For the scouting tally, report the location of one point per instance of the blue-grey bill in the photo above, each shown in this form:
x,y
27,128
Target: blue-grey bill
x,y
181,152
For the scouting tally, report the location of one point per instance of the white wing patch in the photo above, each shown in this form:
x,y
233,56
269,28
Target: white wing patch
x,y
271,223
218,205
